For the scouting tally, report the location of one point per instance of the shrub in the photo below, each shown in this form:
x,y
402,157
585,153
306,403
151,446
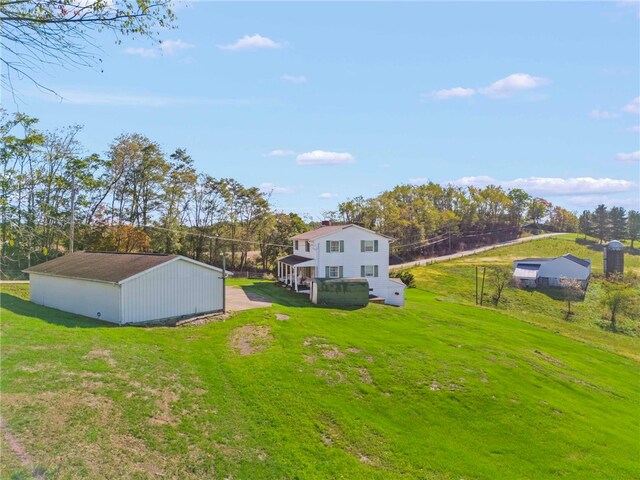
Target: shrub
x,y
405,276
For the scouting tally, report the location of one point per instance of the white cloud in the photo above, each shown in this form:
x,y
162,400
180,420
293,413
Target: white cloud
x,y
502,88
294,78
327,195
167,47
479,181
603,115
171,47
633,106
456,92
280,153
514,82
120,99
553,186
251,42
142,52
629,157
268,187
635,128
321,157
418,181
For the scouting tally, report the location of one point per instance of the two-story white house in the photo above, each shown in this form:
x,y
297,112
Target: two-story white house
x,y
341,251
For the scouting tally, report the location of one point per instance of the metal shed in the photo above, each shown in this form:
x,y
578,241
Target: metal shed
x,y
340,291
127,288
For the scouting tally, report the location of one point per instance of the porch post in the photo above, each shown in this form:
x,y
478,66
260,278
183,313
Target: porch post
x,y
279,268
295,276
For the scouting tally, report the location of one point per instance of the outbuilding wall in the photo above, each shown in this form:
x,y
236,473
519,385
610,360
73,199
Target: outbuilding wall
x,y
179,288
559,268
99,300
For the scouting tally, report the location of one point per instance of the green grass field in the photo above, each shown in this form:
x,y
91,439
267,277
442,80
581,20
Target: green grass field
x,y
455,281
435,390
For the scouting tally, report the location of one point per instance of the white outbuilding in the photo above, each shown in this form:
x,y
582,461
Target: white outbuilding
x,y
127,288
551,272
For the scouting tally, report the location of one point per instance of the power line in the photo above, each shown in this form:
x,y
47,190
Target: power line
x,y
218,238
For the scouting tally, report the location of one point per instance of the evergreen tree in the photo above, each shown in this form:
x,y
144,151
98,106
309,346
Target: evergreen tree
x,y
618,220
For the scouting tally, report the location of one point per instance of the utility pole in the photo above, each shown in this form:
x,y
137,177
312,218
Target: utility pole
x,y
72,213
476,284
224,282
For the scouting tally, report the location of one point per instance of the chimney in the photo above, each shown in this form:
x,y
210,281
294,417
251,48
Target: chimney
x,y
326,223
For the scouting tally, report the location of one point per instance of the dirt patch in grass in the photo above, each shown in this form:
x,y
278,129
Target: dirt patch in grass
x,y
16,448
101,354
549,358
164,414
251,339
80,425
365,376
282,316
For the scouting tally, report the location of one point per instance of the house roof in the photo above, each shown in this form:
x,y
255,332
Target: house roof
x,y
294,259
101,266
329,229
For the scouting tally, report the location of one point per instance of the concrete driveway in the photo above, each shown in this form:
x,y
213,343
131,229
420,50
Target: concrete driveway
x,y
238,299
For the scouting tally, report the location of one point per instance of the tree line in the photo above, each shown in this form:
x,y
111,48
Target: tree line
x,y
133,198
136,197
431,219
610,223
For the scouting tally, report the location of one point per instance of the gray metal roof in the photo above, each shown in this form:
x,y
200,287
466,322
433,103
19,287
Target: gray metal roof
x,y
579,261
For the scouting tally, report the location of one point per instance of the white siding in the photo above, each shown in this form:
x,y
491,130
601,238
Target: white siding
x,y
83,297
352,258
171,290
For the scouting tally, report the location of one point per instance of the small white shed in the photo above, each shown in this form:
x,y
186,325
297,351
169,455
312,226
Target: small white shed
x,y
127,288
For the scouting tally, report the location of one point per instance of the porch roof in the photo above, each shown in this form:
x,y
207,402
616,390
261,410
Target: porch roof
x,y
294,260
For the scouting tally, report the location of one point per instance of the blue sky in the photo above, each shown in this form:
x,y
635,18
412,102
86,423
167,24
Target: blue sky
x,y
320,102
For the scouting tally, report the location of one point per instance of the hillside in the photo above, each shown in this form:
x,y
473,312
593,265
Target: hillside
x,y
436,390
454,281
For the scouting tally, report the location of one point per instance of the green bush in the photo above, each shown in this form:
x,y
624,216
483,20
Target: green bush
x,y
405,276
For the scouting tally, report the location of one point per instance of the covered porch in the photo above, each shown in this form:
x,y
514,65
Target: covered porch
x,y
296,272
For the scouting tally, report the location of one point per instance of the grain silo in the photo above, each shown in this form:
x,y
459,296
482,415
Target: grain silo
x,y
613,258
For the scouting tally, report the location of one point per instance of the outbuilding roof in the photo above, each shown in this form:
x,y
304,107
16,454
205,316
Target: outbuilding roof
x,y
579,261
539,261
101,266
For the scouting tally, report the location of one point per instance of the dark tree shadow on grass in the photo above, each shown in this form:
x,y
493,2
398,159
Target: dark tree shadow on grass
x,y
597,247
50,315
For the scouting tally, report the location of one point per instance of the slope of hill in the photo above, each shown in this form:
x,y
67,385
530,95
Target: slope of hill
x,y
455,281
435,390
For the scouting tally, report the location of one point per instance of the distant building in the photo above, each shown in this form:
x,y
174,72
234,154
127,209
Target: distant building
x,y
551,272
341,251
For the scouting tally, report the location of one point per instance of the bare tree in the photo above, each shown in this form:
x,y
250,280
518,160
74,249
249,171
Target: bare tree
x,y
573,291
40,33
499,277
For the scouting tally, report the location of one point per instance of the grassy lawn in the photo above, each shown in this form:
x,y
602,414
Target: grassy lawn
x,y
454,281
436,390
